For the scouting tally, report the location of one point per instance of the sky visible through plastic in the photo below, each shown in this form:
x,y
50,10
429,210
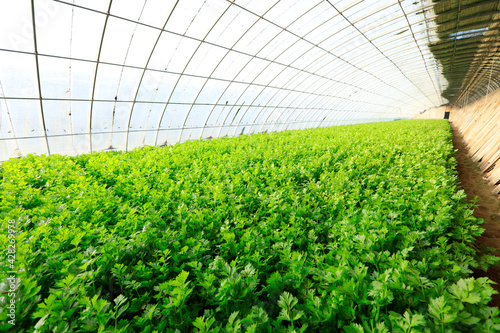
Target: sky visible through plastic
x,y
90,75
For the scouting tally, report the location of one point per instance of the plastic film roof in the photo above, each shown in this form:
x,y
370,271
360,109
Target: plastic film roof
x,y
467,48
79,76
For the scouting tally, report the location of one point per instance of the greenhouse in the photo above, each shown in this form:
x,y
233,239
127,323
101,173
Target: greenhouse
x,y
250,166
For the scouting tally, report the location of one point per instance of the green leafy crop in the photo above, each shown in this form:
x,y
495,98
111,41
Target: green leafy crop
x,y
347,229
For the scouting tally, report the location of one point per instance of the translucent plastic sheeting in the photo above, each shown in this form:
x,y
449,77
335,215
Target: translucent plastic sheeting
x,y
79,76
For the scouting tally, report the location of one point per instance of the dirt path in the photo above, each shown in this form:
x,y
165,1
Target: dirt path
x,y
488,206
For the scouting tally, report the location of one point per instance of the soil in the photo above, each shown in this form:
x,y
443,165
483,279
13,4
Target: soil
x,y
487,206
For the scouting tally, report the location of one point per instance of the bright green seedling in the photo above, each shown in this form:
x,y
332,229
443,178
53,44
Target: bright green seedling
x,y
344,229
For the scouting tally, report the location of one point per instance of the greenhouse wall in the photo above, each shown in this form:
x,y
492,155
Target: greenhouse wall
x,y
434,113
478,124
